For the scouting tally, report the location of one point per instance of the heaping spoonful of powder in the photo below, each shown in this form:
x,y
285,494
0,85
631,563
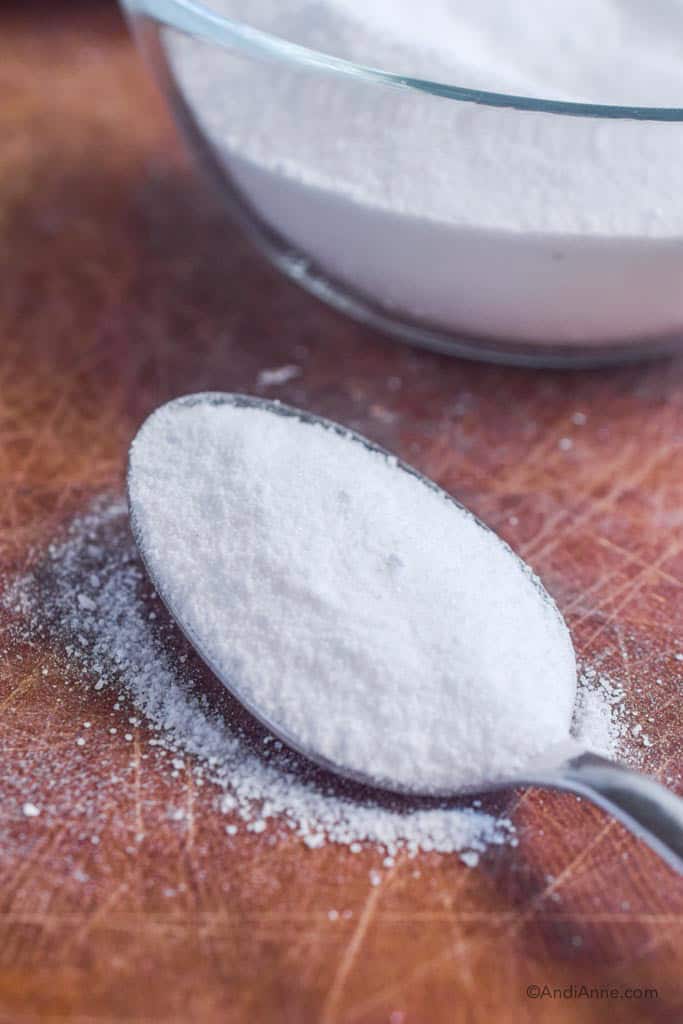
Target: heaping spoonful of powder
x,y
351,605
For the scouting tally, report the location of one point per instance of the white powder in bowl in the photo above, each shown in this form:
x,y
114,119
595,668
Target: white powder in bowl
x,y
495,222
365,614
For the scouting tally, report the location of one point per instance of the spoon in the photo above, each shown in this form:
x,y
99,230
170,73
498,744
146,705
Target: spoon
x,y
648,809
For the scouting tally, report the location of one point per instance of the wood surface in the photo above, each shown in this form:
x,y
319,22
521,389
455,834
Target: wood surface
x,y
122,285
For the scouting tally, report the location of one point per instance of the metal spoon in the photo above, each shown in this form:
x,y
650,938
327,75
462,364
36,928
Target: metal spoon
x,y
648,809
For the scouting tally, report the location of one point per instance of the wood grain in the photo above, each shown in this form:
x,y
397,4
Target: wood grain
x,y
122,285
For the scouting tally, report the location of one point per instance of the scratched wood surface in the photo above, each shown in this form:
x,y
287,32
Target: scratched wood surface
x,y
122,285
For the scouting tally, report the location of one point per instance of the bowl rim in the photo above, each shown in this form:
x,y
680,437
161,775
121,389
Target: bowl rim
x,y
200,21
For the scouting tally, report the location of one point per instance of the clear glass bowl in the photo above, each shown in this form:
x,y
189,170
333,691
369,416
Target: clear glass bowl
x,y
592,274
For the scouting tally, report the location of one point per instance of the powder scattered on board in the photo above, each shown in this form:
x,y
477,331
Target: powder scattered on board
x,y
86,599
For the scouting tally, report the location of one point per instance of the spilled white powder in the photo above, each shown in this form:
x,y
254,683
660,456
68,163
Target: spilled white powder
x,y
124,645
126,642
473,218
277,375
602,733
364,614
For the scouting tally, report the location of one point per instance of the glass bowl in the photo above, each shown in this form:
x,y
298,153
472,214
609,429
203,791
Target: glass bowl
x,y
448,217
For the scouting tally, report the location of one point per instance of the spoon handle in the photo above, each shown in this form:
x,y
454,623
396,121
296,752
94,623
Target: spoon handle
x,y
648,809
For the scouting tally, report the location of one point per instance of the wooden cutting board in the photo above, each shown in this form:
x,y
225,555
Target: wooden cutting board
x,y
122,285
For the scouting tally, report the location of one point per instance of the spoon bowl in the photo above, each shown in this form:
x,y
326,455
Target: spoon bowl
x,y
643,805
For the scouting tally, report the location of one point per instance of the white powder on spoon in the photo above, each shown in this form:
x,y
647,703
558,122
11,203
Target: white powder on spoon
x,y
364,614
